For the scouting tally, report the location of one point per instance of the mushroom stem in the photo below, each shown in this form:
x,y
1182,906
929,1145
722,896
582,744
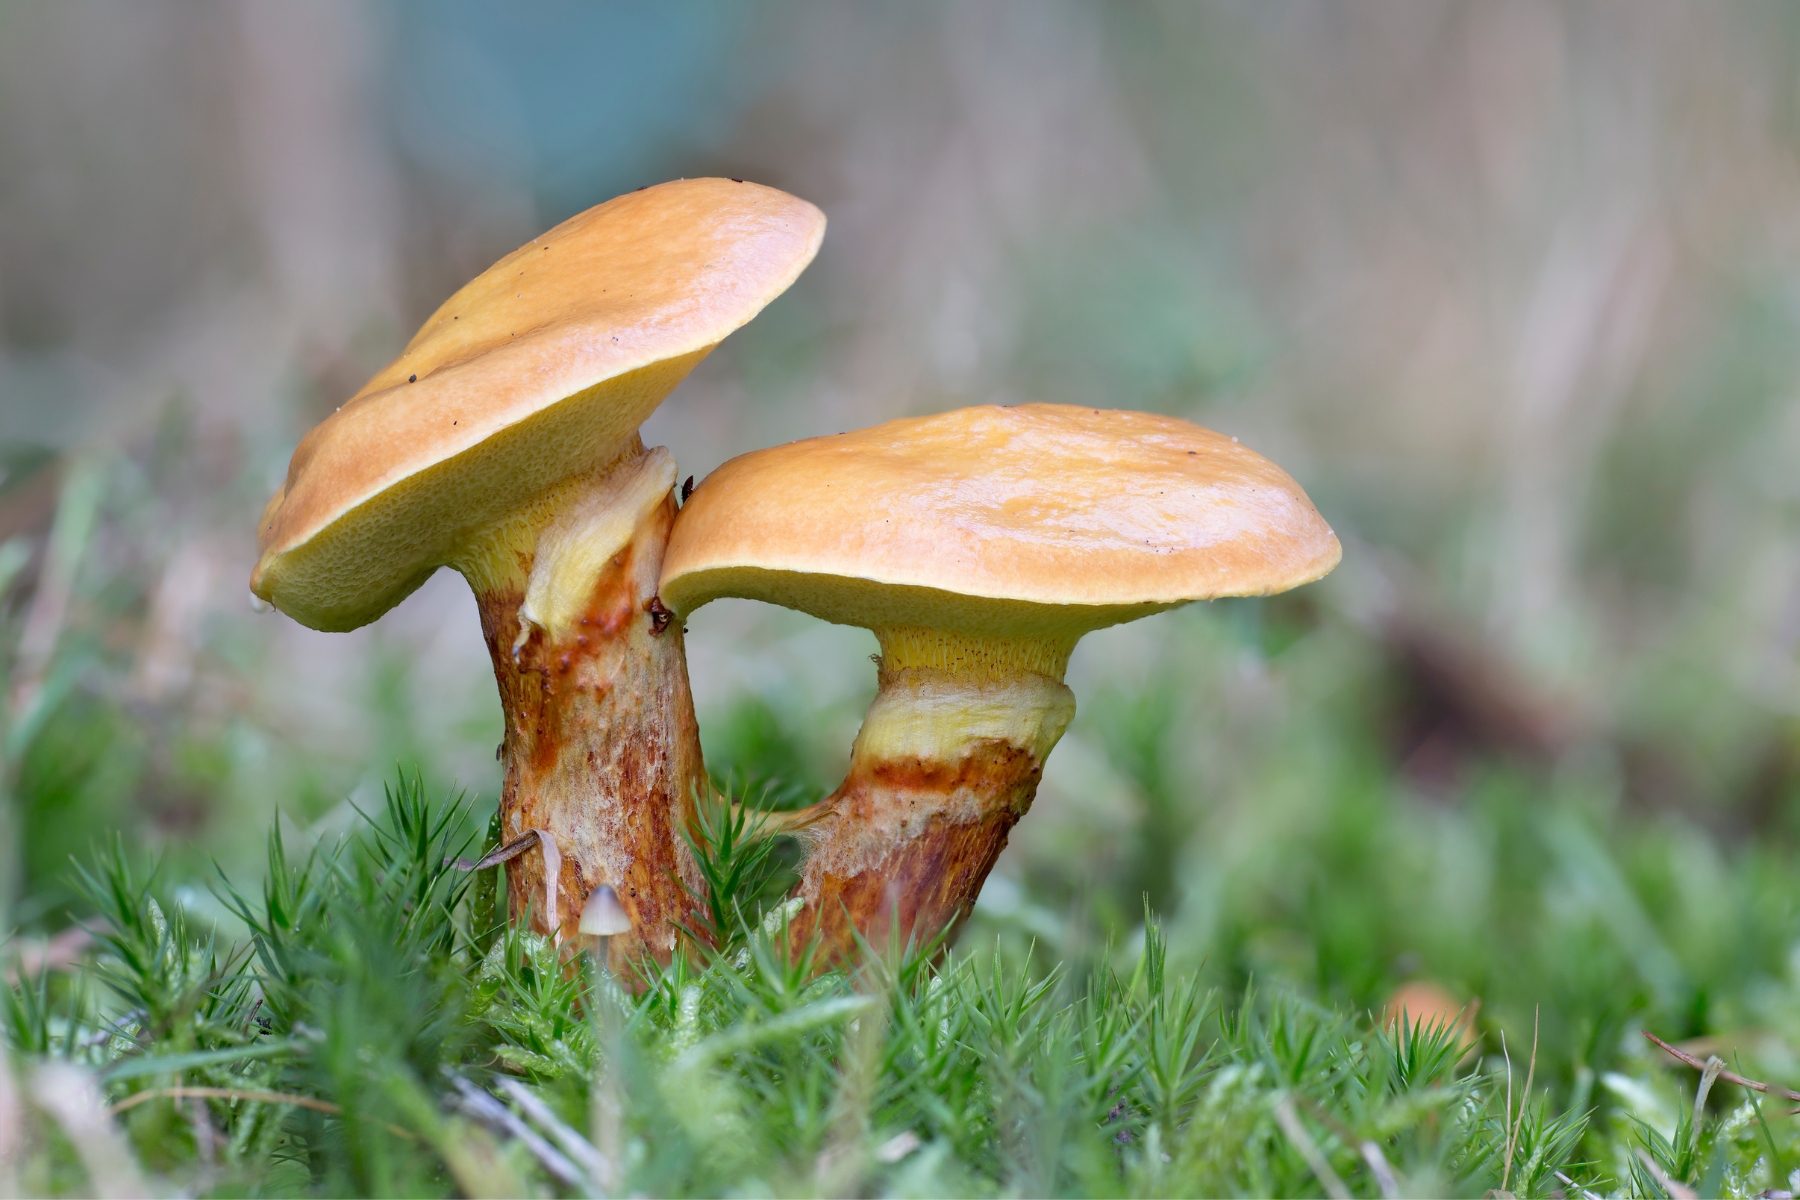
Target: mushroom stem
x,y
947,761
601,746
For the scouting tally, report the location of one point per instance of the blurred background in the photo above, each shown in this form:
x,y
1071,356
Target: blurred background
x,y
1513,289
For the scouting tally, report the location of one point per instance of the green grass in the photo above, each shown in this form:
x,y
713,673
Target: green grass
x,y
423,1048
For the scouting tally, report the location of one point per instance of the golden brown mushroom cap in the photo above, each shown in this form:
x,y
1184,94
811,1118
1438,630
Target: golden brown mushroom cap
x,y
1034,521
542,367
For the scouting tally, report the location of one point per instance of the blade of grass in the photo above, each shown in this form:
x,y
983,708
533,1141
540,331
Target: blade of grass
x,y
1506,1172
570,1142
801,1020
1289,1120
1672,1189
501,1120
1714,1064
10,1120
72,1098
169,1064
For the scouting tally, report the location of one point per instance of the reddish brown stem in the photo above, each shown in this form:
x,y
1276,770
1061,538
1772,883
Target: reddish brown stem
x,y
861,880
945,765
601,748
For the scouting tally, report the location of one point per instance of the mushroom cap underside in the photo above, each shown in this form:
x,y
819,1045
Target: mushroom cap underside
x,y
1028,521
539,369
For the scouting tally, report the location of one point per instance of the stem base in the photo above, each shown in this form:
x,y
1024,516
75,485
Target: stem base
x,y
945,765
602,751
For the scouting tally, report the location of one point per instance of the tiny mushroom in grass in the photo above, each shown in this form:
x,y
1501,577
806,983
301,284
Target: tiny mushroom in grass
x,y
503,443
1423,1005
979,546
604,916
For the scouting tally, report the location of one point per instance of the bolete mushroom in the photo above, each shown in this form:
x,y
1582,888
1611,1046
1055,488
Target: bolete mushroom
x,y
503,443
1430,1007
978,545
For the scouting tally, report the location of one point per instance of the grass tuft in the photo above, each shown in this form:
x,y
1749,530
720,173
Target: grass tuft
x,y
373,1031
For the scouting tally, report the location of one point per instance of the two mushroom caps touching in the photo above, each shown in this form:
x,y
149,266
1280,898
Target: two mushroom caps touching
x,y
978,545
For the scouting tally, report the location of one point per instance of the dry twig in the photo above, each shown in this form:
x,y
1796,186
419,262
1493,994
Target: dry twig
x,y
552,869
253,1095
219,1093
1727,1076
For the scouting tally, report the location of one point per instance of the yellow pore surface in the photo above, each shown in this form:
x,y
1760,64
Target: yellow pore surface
x,y
929,716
